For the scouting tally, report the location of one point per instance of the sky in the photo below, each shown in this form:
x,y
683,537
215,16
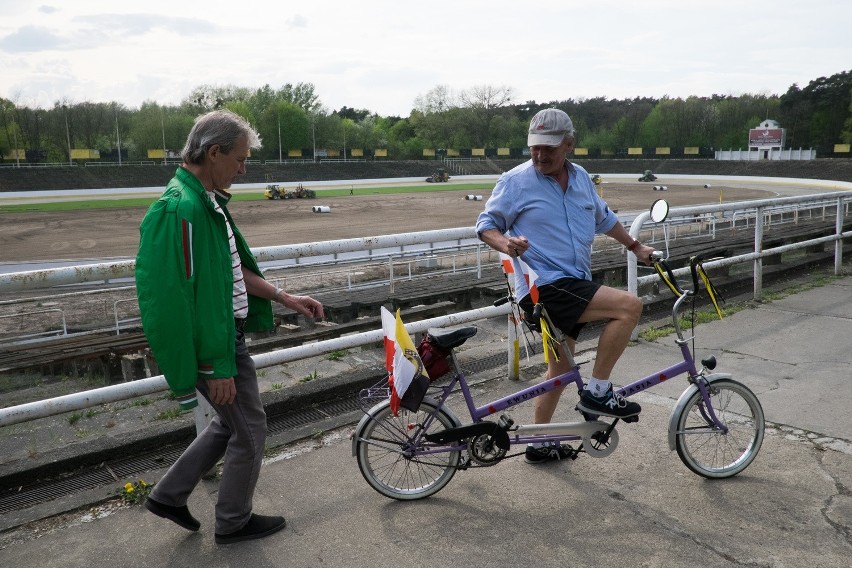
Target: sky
x,y
381,55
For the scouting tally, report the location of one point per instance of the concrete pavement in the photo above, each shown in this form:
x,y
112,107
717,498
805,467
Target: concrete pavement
x,y
639,507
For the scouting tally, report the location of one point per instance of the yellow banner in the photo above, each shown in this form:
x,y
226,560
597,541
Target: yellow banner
x,y
841,148
581,151
634,151
19,154
662,151
477,152
333,153
691,150
428,151
502,151
452,153
294,153
84,154
381,153
357,152
156,154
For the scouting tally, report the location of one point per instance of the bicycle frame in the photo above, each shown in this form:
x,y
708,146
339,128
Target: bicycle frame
x,y
570,430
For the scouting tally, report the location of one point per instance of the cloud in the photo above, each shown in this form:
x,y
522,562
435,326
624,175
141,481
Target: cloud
x,y
297,21
140,24
45,9
31,39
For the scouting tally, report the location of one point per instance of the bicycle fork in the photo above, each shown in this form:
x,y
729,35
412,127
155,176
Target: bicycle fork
x,y
702,384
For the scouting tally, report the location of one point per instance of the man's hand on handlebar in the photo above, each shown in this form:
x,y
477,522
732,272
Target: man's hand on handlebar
x,y
645,254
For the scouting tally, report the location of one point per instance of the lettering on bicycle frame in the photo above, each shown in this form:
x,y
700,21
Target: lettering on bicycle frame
x,y
526,396
517,398
642,385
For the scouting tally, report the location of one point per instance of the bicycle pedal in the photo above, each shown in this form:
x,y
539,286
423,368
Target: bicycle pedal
x,y
631,419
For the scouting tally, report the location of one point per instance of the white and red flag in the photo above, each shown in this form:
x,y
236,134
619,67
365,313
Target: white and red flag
x,y
526,284
408,378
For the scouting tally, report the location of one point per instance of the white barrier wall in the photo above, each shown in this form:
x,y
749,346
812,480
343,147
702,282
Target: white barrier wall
x,y
774,154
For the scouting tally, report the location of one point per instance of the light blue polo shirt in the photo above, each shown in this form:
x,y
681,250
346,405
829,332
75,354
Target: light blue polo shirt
x,y
560,226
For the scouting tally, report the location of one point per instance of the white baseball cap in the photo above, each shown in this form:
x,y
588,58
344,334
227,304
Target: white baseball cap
x,y
549,128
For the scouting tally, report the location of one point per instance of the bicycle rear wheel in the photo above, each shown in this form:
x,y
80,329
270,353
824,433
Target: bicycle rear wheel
x,y
390,460
705,449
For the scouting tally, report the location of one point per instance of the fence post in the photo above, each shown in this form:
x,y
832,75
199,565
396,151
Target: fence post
x,y
513,345
838,244
758,248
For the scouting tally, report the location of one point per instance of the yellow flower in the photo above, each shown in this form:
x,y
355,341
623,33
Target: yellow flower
x,y
128,487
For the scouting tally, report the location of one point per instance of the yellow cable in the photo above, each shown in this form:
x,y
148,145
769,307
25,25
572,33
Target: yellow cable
x,y
665,278
711,290
547,340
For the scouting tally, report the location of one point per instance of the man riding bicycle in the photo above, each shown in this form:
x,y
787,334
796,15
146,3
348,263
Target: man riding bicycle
x,y
546,212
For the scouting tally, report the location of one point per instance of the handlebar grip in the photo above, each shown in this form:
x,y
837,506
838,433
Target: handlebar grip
x,y
665,271
501,301
537,311
657,255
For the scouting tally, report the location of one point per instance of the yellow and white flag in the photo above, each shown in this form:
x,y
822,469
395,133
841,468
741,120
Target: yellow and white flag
x,y
408,378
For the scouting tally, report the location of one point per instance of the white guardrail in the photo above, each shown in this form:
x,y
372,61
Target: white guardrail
x,y
838,202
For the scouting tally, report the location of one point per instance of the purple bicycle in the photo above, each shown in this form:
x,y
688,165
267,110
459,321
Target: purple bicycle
x,y
716,426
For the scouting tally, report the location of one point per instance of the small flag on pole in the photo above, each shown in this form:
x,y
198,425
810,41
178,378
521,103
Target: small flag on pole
x,y
525,285
408,378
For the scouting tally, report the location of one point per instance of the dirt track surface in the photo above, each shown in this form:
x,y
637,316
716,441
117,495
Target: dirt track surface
x,y
106,233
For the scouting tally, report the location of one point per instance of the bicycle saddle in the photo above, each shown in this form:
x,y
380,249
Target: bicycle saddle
x,y
450,338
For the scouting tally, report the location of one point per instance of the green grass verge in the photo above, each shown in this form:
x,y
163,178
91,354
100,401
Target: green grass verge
x,y
240,195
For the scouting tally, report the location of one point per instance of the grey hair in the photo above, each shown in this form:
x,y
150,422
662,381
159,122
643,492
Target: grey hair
x,y
221,127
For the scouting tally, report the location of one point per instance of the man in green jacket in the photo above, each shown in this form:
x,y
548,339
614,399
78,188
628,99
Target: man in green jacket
x,y
200,290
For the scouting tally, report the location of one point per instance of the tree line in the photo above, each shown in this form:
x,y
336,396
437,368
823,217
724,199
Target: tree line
x,y
818,116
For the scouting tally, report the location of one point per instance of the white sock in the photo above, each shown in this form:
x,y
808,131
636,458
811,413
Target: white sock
x,y
598,387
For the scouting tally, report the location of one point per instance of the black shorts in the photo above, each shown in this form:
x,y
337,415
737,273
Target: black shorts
x,y
565,301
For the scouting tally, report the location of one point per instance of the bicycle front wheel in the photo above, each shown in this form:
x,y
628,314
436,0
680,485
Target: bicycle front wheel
x,y
391,452
707,450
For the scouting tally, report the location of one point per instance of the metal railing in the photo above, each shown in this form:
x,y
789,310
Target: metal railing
x,y
756,215
106,271
61,331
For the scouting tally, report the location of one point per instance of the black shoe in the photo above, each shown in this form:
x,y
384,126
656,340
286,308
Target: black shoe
x,y
610,404
549,453
258,526
179,515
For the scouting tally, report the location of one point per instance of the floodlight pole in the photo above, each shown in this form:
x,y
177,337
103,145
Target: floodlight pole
x,y
117,136
68,137
163,130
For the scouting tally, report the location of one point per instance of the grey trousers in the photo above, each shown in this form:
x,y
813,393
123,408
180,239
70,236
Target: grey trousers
x,y
237,432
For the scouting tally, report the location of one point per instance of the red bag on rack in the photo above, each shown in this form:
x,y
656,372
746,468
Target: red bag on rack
x,y
435,360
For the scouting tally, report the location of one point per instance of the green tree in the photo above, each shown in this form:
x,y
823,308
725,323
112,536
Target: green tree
x,y
284,126
815,116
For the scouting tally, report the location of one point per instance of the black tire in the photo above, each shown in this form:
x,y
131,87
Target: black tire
x,y
709,452
388,456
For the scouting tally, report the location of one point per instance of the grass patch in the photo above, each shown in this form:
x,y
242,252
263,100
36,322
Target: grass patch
x,y
144,202
337,355
170,414
308,378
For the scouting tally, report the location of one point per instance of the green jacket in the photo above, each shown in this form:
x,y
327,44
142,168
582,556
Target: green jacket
x,y
184,283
